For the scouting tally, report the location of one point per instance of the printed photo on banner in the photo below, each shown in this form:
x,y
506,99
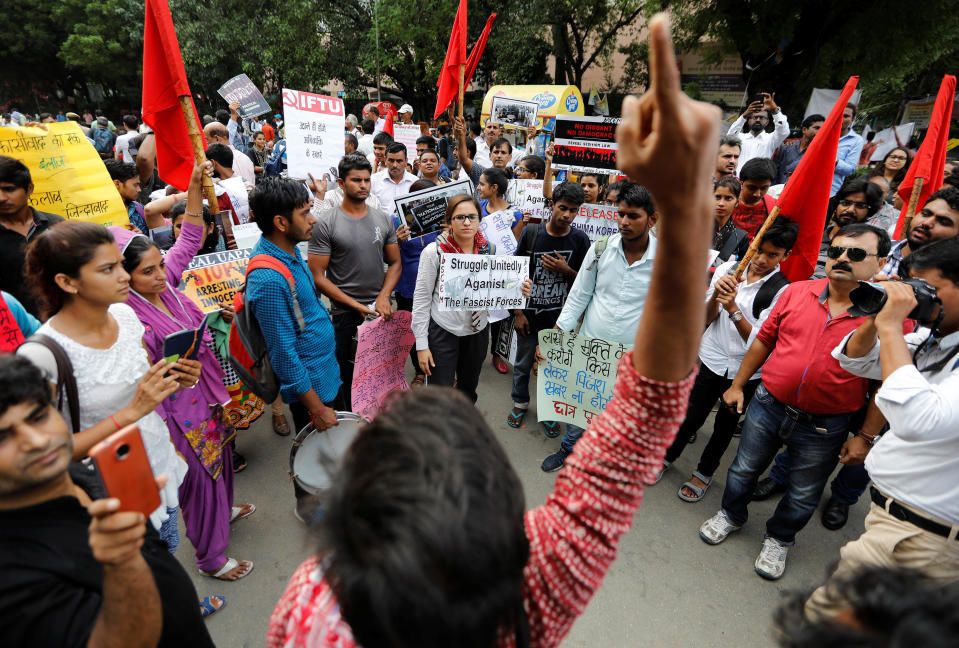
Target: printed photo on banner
x,y
241,89
381,351
585,143
497,228
513,113
597,221
527,196
482,282
210,286
314,134
424,211
576,376
68,176
407,134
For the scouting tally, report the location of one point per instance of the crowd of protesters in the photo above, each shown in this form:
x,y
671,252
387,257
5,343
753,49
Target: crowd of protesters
x,y
426,538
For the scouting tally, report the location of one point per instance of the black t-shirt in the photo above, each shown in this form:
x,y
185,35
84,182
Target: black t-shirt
x,y
550,289
12,252
51,586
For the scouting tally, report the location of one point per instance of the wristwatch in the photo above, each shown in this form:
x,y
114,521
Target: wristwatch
x,y
868,438
735,317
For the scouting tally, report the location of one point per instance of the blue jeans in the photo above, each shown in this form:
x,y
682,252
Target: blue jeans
x,y
814,455
168,530
847,487
573,432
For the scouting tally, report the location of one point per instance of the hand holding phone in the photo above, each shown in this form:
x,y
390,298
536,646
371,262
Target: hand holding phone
x,y
123,466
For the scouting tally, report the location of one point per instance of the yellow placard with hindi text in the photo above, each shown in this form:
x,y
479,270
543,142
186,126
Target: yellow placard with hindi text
x,y
69,178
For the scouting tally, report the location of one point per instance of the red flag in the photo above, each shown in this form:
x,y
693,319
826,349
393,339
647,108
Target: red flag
x,y
164,81
471,63
931,158
388,121
449,80
805,198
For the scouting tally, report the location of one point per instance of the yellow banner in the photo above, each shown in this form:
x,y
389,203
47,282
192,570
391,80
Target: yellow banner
x,y
69,178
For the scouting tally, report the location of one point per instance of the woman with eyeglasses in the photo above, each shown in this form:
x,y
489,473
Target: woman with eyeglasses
x,y
451,345
893,168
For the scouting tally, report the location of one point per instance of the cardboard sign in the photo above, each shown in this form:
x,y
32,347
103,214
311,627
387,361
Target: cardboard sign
x,y
314,134
217,258
246,234
585,144
577,376
68,176
498,230
482,282
424,211
527,196
240,88
513,113
597,221
381,352
407,134
209,286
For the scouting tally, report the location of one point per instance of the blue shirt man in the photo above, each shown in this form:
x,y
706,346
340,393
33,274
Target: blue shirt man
x,y
850,148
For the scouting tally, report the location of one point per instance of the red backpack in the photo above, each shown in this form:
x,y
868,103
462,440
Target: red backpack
x,y
247,348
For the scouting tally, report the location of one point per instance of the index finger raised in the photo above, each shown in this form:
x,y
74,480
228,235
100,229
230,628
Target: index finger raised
x,y
663,66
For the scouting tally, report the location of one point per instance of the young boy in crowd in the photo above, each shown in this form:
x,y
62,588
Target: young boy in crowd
x,y
556,253
754,205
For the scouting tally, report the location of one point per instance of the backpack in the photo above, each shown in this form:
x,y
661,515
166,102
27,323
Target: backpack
x,y
766,292
103,140
275,165
600,248
248,353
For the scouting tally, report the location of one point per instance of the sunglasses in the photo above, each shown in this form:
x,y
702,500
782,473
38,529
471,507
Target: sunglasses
x,y
854,254
460,218
850,203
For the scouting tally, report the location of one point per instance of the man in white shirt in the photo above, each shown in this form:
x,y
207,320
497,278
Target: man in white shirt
x,y
757,142
610,288
364,142
217,133
122,147
394,180
913,520
231,191
406,114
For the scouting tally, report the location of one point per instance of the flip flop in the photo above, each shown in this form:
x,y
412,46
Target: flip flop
x,y
500,365
551,429
239,462
515,417
207,608
228,566
698,491
241,511
280,425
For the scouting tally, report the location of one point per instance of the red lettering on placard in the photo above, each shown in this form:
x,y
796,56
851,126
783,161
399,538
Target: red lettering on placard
x,y
313,102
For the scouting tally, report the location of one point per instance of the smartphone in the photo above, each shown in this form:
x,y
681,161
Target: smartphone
x,y
759,96
125,472
183,344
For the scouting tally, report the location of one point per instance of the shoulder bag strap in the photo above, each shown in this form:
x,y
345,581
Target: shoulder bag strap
x,y
66,381
265,261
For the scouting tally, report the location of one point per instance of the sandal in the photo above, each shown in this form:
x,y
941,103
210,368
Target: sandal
x,y
280,425
659,475
419,381
230,565
239,462
698,491
207,606
551,429
241,511
500,364
515,417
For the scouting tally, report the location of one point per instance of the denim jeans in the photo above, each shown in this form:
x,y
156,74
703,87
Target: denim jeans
x,y
847,487
814,455
168,530
573,432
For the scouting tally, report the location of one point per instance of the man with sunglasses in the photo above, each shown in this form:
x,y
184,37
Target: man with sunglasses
x,y
937,220
855,202
914,516
805,399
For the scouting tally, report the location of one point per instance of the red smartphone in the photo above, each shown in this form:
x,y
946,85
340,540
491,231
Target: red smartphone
x,y
125,471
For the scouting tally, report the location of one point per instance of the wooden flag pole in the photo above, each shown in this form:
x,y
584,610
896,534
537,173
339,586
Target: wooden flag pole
x,y
913,204
754,246
199,155
462,82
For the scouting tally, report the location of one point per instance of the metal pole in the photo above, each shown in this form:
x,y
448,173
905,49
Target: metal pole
x,y
376,29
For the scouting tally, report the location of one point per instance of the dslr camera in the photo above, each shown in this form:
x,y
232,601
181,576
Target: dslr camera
x,y
868,299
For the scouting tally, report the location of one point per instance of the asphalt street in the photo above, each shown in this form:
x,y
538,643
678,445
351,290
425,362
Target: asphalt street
x,y
666,588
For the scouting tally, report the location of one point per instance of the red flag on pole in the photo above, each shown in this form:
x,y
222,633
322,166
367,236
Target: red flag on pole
x,y
388,121
805,198
477,50
449,80
164,81
931,158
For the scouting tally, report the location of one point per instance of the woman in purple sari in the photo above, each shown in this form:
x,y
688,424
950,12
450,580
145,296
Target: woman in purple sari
x,y
193,415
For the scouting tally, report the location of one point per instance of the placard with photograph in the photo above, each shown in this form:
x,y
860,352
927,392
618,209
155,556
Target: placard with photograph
x,y
424,211
585,144
513,113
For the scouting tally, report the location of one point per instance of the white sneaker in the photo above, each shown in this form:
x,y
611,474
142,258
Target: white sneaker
x,y
717,528
771,563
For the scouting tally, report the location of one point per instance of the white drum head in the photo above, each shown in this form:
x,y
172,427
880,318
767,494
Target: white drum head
x,y
318,456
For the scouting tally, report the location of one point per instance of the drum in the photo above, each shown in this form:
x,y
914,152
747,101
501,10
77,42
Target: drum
x,y
315,455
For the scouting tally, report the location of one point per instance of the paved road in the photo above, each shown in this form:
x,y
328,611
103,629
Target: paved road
x,y
666,588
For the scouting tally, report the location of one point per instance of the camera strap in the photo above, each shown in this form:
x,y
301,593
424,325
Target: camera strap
x,y
939,364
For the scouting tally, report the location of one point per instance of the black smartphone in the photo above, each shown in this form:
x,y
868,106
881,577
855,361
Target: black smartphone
x,y
759,96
